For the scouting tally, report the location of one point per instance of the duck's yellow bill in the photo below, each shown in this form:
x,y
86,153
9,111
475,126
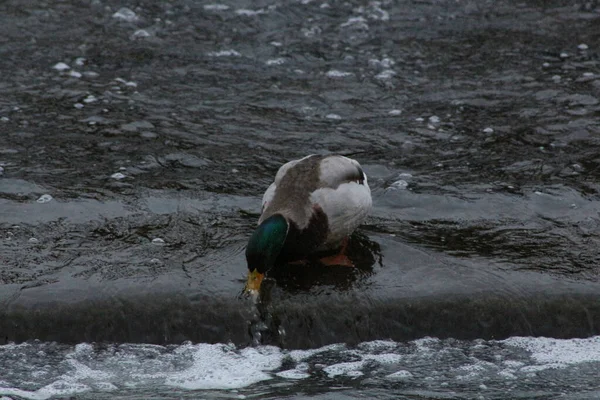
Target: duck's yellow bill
x,y
254,280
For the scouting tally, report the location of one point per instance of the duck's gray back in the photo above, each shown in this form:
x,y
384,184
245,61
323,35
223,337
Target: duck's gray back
x,y
293,189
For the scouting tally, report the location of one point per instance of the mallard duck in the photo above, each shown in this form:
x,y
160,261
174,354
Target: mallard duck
x,y
313,205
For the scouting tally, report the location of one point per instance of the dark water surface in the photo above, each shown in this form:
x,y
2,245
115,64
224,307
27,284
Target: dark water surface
x,y
131,178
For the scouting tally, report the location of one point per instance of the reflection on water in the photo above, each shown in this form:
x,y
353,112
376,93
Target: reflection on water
x,y
362,251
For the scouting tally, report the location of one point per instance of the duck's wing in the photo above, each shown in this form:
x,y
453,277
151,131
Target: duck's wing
x,y
344,196
272,189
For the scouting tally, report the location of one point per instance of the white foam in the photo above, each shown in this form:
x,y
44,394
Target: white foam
x,y
385,74
221,367
559,353
344,368
249,13
358,23
216,7
275,61
334,73
293,374
224,53
400,375
442,363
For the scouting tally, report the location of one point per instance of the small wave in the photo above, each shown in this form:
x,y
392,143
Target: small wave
x,y
40,371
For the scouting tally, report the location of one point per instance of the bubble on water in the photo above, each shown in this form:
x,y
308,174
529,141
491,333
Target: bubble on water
x,y
325,5
399,185
33,240
434,119
4,119
61,66
140,34
148,135
90,99
117,176
75,74
385,74
420,119
78,106
357,23
334,73
488,130
216,7
45,198
80,61
125,82
249,13
224,53
583,46
333,116
564,55
546,65
589,74
275,61
91,74
556,77
158,241
126,14
383,63
276,44
395,112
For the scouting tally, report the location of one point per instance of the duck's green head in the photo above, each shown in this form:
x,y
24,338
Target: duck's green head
x,y
263,248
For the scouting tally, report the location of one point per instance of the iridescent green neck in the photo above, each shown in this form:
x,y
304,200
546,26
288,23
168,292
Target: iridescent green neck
x,y
266,243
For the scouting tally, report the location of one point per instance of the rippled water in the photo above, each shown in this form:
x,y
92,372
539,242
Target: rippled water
x,y
136,141
422,369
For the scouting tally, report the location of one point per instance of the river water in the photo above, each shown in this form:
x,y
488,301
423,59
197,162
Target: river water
x,y
136,139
